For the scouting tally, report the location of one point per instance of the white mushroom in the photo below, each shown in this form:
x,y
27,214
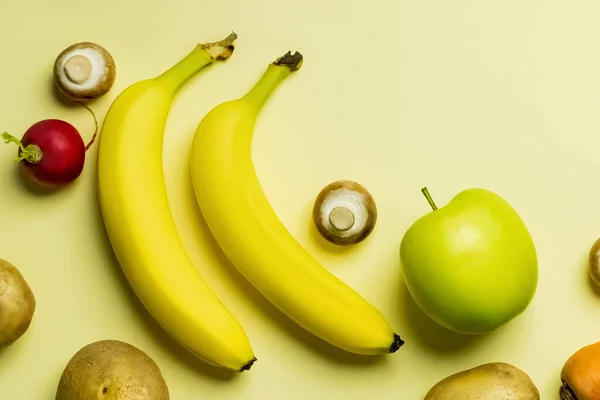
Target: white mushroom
x,y
344,212
84,71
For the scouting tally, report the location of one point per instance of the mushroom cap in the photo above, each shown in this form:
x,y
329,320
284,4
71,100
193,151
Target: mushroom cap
x,y
344,212
84,71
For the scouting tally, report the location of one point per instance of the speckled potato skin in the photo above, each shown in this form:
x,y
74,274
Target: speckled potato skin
x,y
111,370
494,381
17,304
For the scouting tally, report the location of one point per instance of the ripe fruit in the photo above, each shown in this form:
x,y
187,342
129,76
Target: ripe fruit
x,y
111,370
258,244
493,381
580,375
17,304
471,265
137,217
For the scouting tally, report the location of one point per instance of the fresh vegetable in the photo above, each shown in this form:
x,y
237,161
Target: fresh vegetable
x,y
345,212
111,370
17,304
248,230
580,375
471,265
52,151
493,381
84,71
594,262
138,219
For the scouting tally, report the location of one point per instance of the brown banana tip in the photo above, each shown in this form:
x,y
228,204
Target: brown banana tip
x,y
292,61
396,344
248,365
222,49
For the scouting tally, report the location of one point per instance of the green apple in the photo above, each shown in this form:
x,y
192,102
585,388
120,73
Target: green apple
x,y
471,265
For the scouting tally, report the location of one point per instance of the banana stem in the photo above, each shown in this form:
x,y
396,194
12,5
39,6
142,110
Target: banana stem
x,y
202,55
276,72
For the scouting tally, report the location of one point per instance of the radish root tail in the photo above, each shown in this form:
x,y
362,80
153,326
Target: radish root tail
x,y
91,142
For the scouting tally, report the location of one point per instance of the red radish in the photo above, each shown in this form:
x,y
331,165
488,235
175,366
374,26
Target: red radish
x,y
52,151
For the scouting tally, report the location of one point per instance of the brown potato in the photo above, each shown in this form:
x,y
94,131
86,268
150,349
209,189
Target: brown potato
x,y
17,304
111,370
493,381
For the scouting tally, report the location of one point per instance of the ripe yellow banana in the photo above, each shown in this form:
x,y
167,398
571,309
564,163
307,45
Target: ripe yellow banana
x,y
255,240
139,223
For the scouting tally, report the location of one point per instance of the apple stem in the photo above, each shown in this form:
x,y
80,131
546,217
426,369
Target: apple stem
x,y
429,198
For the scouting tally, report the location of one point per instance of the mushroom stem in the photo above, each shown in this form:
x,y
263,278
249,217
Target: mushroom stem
x,y
78,69
341,218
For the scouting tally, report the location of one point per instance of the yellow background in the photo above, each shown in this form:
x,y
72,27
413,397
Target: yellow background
x,y
393,94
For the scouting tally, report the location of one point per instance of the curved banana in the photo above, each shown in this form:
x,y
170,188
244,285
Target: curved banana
x,y
255,240
135,208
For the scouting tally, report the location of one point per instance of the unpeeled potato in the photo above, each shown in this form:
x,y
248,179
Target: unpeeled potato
x,y
17,304
493,381
111,370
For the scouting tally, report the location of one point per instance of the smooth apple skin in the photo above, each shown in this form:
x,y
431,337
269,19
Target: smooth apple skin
x,y
471,265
